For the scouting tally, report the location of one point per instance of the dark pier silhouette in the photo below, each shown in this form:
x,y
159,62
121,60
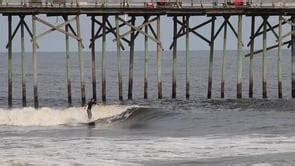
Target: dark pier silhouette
x,y
112,14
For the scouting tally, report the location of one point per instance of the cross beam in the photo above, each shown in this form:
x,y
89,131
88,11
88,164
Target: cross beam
x,y
22,21
179,34
140,31
110,29
57,28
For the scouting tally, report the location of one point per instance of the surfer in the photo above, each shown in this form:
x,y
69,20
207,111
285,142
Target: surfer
x,y
89,106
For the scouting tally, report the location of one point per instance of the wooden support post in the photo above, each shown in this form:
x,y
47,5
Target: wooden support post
x,y
279,65
239,58
68,64
93,58
251,57
209,93
23,62
103,59
293,57
159,58
223,59
81,62
10,61
146,60
35,74
264,65
187,58
120,86
174,57
131,59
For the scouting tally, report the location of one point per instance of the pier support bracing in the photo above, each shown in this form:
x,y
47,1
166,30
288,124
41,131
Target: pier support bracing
x,y
150,29
262,31
22,26
105,28
155,37
184,30
71,34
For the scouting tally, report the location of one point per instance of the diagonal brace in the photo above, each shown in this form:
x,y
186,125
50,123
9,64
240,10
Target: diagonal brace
x,y
233,30
17,28
193,31
110,30
269,48
179,34
140,27
145,34
53,28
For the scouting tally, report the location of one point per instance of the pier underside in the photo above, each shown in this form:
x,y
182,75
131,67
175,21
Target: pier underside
x,y
113,19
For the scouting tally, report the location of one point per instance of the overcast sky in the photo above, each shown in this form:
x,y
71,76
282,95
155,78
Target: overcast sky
x,y
55,42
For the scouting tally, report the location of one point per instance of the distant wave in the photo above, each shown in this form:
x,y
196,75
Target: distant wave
x,y
52,117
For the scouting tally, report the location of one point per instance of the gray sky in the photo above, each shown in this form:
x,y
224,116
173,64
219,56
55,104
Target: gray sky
x,y
55,42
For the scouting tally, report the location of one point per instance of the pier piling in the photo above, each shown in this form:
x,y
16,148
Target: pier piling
x,y
24,98
174,59
131,59
10,61
35,74
187,58
264,65
224,57
159,72
120,82
146,59
93,52
239,58
103,59
209,93
252,46
115,16
68,64
293,55
81,62
279,65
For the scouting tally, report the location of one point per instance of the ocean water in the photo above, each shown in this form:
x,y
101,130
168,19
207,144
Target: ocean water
x,y
198,131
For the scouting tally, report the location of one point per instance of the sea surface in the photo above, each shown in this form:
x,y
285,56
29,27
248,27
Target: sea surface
x,y
198,131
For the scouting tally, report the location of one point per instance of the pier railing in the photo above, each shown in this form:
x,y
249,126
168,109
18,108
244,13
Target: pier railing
x,y
149,3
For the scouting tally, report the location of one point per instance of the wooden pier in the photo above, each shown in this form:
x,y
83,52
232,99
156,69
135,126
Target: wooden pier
x,y
181,12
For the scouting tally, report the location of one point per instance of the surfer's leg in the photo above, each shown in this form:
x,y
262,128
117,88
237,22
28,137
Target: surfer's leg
x,y
89,113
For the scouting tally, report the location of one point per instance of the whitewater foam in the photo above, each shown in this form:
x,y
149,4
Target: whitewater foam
x,y
51,117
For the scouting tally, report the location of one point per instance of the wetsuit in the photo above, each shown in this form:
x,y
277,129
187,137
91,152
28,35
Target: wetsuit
x,y
89,106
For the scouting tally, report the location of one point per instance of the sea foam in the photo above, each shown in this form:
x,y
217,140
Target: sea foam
x,y
29,116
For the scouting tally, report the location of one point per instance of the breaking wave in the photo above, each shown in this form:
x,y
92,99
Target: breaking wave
x,y
52,117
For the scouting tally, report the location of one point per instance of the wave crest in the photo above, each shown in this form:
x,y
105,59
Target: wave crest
x,y
29,116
